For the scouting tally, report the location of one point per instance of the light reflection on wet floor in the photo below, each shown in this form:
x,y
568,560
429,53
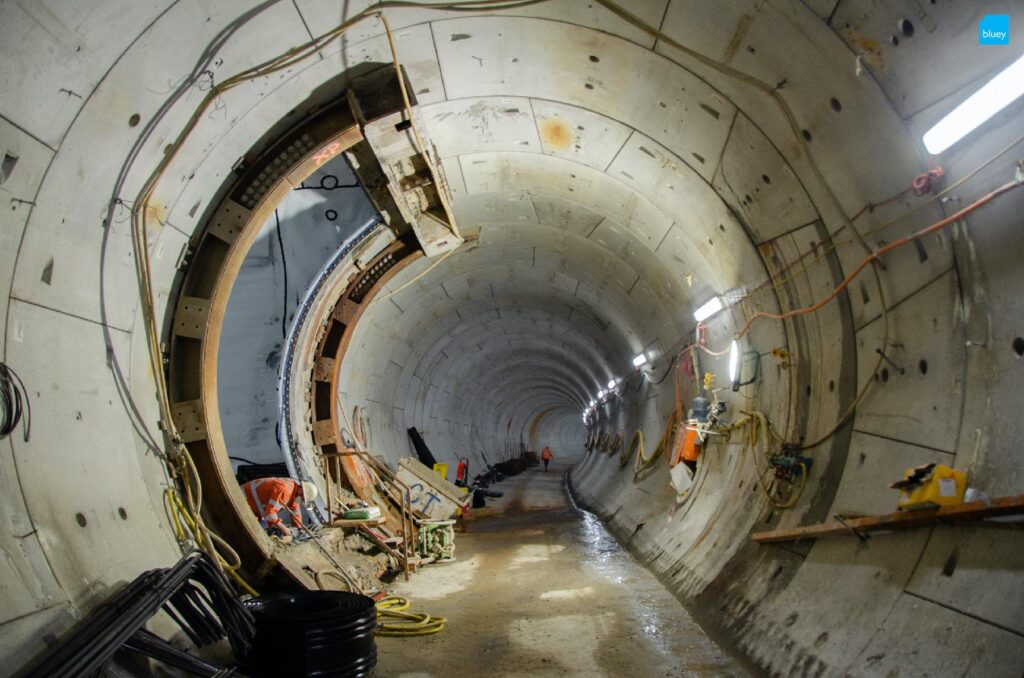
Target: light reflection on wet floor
x,y
541,588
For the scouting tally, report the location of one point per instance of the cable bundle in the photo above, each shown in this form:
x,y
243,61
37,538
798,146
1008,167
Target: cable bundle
x,y
13,403
194,593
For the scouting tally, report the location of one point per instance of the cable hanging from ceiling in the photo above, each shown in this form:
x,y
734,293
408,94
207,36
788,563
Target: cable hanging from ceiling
x,y
14,404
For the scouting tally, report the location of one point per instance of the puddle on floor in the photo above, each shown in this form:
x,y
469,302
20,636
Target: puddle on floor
x,y
551,593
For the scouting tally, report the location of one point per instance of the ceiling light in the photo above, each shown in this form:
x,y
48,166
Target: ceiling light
x,y
591,404
600,394
994,96
640,360
611,384
734,362
707,310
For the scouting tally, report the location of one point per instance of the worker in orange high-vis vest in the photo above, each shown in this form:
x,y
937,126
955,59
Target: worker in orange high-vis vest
x,y
546,456
267,497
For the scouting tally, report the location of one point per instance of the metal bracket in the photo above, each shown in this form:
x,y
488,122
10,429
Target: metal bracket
x,y
863,537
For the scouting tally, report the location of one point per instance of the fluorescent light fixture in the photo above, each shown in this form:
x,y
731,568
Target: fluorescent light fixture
x,y
640,360
734,362
591,404
993,97
600,394
707,310
611,384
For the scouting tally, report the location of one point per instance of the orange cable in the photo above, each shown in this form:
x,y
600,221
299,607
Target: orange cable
x,y
884,250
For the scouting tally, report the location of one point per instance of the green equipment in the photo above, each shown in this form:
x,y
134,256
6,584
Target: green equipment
x,y
436,542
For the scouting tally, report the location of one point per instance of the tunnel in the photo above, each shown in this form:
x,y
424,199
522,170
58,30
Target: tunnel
x,y
722,257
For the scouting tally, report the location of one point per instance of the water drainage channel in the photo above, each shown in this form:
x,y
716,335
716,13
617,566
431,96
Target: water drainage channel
x,y
540,587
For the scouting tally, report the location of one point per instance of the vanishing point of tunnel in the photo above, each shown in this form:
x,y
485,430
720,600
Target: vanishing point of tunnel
x,y
511,337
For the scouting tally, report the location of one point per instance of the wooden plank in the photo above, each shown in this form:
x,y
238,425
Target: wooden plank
x,y
977,510
372,522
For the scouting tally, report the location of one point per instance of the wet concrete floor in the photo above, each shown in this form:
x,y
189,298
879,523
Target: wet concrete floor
x,y
541,588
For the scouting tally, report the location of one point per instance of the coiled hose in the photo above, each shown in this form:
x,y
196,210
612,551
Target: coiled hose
x,y
393,620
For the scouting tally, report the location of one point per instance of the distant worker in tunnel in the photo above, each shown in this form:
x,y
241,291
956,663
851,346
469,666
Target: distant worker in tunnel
x,y
546,456
268,496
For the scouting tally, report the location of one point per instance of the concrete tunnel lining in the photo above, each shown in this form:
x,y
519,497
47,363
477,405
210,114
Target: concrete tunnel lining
x,y
963,290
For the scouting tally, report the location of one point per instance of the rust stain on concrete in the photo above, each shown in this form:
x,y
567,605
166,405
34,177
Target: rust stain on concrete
x,y
556,134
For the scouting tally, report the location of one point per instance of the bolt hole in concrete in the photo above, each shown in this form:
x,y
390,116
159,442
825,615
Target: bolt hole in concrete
x,y
134,120
7,168
594,58
885,374
806,134
923,366
80,519
542,588
1018,346
121,512
836,105
906,27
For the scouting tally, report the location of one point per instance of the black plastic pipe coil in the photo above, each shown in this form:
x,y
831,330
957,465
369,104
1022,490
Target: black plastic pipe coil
x,y
312,633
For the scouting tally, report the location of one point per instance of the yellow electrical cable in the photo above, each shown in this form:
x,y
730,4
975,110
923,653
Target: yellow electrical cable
x,y
615,443
755,423
402,624
180,513
636,443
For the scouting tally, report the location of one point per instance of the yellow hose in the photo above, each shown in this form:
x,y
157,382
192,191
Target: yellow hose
x,y
614,443
637,443
404,624
642,461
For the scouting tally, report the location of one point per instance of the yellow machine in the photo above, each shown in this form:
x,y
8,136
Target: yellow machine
x,y
931,485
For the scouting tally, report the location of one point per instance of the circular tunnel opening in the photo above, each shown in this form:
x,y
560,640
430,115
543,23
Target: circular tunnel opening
x,y
703,280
